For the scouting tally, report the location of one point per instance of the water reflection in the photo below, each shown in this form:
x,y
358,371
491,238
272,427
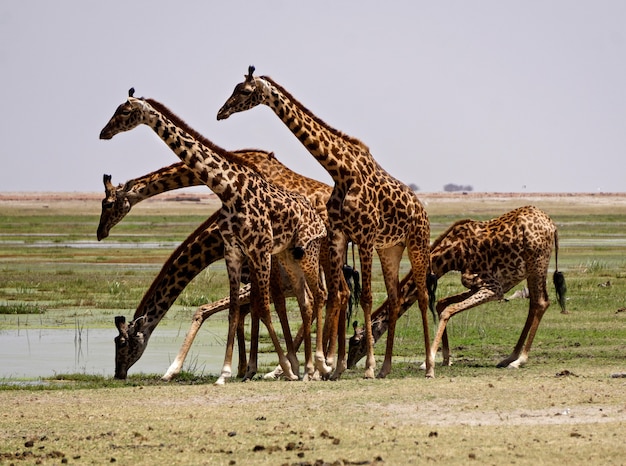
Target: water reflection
x,y
28,353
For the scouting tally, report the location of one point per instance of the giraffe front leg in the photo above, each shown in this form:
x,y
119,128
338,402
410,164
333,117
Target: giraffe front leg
x,y
254,348
241,345
177,365
278,296
233,320
226,373
201,314
339,294
390,261
366,304
264,310
234,260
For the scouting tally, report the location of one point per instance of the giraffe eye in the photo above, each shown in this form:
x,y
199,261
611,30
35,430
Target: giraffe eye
x,y
121,341
106,204
246,92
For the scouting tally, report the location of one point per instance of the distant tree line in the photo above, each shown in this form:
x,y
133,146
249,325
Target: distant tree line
x,y
451,187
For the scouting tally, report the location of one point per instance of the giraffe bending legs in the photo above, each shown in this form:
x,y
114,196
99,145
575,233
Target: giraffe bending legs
x,y
441,306
475,298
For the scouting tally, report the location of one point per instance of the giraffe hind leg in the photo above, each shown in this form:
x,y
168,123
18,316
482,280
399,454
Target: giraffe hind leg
x,y
537,307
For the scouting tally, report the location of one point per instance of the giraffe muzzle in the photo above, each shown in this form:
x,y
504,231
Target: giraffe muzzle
x,y
105,134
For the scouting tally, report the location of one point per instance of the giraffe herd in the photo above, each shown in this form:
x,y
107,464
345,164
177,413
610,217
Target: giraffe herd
x,y
285,235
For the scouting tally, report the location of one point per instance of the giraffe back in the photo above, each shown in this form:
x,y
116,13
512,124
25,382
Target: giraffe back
x,y
507,249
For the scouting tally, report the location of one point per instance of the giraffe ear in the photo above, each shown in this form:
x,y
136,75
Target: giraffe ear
x,y
120,323
131,92
106,179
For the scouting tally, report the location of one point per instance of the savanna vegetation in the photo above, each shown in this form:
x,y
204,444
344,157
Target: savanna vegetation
x,y
566,404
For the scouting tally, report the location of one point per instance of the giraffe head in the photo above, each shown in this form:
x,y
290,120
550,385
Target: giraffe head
x,y
127,116
115,206
356,345
246,95
129,345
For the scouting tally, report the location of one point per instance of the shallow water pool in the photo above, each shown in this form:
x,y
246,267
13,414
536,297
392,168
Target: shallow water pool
x,y
31,353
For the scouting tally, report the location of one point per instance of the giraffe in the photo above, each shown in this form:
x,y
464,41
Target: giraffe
x,y
119,200
257,221
367,206
203,247
493,256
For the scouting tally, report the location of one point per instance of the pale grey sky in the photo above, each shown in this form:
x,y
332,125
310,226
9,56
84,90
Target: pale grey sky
x,y
500,95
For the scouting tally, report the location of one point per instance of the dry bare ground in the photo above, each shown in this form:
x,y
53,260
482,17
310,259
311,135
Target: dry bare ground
x,y
526,416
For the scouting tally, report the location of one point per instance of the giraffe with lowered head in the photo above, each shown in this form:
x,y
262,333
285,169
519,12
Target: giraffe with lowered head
x,y
493,256
368,207
257,220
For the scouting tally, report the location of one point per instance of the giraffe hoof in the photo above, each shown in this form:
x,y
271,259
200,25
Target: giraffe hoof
x,y
249,376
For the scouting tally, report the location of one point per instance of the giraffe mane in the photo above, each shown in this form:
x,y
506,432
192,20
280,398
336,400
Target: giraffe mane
x,y
180,123
336,132
441,237
268,154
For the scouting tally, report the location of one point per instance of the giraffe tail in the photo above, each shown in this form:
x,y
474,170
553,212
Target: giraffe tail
x,y
558,278
354,285
561,289
431,285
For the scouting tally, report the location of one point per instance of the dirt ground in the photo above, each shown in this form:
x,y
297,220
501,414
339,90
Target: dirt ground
x,y
527,416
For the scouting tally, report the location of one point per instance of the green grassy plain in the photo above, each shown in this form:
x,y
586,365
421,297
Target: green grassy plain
x,y
564,405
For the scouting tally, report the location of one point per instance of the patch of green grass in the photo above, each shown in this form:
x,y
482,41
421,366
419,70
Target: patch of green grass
x,y
21,308
67,282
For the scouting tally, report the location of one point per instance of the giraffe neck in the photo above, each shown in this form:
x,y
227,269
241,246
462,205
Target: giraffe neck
x,y
203,247
447,251
443,262
211,164
169,178
328,145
